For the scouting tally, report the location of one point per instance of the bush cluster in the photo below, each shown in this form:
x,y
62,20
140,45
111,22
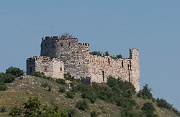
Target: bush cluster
x,y
115,91
33,108
164,104
98,53
145,93
82,105
149,110
9,76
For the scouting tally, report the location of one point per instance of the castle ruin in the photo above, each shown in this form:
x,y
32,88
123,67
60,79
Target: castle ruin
x,y
64,54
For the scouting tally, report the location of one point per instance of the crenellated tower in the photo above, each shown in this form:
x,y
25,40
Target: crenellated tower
x,y
69,51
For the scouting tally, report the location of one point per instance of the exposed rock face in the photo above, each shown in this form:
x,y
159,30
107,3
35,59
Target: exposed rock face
x,y
79,63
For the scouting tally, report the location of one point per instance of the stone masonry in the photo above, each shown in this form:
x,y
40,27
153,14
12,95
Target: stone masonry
x,y
80,64
50,67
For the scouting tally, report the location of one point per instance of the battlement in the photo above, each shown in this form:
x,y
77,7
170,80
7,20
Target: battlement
x,y
58,38
83,44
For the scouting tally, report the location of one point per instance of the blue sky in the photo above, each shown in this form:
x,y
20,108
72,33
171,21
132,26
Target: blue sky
x,y
151,26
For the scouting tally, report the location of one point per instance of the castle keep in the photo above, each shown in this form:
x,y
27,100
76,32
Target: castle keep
x,y
64,54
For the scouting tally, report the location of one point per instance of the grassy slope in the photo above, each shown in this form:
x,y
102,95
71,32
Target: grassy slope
x,y
20,90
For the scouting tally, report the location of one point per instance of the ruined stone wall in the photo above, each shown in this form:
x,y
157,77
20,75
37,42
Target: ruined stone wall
x,y
50,67
69,51
135,68
126,69
79,63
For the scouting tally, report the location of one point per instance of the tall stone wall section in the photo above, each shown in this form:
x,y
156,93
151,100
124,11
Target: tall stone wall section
x,y
79,63
69,51
50,67
126,69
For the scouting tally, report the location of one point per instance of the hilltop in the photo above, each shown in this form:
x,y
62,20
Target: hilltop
x,y
51,92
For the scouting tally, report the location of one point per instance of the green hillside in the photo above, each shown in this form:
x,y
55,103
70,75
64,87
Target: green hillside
x,y
100,98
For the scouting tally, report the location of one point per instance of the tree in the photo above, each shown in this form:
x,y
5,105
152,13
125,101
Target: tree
x,y
33,108
149,110
70,94
15,112
98,53
15,71
3,87
6,77
145,93
82,105
94,114
111,82
38,74
106,53
62,89
163,104
118,56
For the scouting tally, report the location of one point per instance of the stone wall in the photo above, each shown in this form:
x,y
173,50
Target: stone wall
x,y
79,63
69,51
50,67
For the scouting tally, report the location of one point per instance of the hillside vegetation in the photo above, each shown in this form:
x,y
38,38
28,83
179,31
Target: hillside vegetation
x,y
71,98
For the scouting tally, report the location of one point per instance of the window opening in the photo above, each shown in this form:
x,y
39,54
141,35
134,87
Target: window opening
x,y
60,68
108,61
103,75
122,64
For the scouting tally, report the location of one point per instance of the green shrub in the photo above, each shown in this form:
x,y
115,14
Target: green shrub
x,y
163,104
61,89
15,71
98,53
9,78
33,108
112,82
60,81
70,94
38,74
89,95
82,105
145,92
94,114
45,85
71,113
6,77
118,56
15,112
3,87
149,110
